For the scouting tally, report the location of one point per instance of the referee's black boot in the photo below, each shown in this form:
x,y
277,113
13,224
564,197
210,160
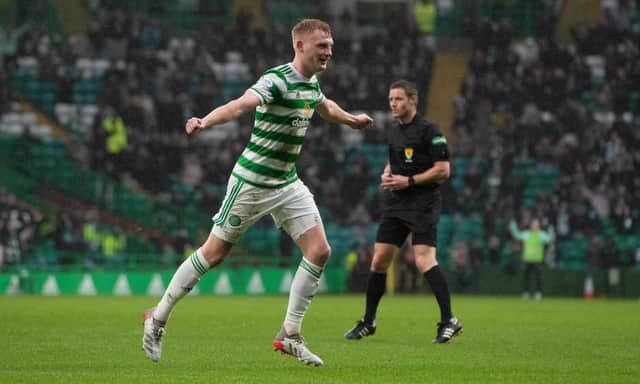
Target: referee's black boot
x,y
360,330
447,330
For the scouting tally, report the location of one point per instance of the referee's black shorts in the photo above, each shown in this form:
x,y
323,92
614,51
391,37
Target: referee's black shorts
x,y
396,226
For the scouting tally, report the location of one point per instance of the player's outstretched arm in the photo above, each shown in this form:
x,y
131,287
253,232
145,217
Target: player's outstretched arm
x,y
332,112
224,113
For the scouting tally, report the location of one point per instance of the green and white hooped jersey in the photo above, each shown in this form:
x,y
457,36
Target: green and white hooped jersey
x,y
288,101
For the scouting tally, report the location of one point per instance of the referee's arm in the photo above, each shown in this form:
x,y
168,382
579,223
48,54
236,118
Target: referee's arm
x,y
436,174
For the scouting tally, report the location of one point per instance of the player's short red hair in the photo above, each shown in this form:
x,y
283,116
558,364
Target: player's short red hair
x,y
307,26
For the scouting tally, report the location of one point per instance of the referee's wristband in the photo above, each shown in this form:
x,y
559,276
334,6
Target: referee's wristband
x,y
411,182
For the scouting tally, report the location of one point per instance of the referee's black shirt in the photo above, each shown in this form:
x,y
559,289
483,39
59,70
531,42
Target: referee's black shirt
x,y
414,148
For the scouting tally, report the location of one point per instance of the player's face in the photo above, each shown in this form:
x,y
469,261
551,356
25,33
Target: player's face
x,y
401,104
317,50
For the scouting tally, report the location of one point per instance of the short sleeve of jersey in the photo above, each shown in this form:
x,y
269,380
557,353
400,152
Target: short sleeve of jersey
x,y
268,88
438,146
321,98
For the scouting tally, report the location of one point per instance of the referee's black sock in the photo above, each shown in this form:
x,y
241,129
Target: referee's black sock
x,y
375,289
440,289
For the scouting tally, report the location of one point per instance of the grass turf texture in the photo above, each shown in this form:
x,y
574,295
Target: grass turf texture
x,y
228,340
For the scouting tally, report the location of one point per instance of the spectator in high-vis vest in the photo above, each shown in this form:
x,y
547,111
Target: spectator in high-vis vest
x,y
425,12
112,244
533,242
116,134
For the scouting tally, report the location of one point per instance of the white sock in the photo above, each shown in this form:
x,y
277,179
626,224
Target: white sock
x,y
303,288
185,278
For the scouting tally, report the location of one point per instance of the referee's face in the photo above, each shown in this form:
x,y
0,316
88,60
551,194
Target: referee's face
x,y
402,106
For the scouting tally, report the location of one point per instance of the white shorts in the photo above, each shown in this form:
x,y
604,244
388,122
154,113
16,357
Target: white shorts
x,y
292,208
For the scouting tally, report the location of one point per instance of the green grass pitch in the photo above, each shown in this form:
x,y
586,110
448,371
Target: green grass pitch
x,y
228,340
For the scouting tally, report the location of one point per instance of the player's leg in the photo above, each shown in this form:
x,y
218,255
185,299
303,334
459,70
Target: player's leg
x,y
315,250
208,256
298,215
224,233
391,235
184,279
230,223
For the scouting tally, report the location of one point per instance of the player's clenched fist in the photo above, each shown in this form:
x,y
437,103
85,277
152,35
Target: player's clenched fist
x,y
362,122
193,124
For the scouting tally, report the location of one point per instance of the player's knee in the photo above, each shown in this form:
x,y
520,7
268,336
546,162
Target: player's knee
x,y
320,254
215,251
324,252
212,257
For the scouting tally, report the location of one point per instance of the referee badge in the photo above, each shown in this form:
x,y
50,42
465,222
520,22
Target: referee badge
x,y
408,155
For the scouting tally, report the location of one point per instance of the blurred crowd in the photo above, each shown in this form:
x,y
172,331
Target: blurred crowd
x,y
163,79
156,78
568,109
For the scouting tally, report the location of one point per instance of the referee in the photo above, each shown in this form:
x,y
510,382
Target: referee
x,y
418,164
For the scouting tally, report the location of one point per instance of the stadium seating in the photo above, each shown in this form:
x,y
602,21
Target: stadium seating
x,y
528,180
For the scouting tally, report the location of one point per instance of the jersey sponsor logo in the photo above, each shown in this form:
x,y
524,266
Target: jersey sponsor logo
x,y
302,94
300,123
408,155
439,140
